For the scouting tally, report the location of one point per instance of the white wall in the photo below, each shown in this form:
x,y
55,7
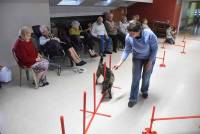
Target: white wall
x,y
64,11
13,15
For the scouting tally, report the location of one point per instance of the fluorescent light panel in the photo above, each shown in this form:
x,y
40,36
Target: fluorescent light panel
x,y
70,2
104,2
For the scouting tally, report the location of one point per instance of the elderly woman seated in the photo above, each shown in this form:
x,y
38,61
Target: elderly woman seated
x,y
82,38
75,33
28,55
47,39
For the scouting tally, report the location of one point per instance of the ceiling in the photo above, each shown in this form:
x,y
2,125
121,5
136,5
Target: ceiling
x,y
85,3
114,3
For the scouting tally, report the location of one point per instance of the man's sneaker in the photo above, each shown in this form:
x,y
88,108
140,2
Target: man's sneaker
x,y
131,103
144,95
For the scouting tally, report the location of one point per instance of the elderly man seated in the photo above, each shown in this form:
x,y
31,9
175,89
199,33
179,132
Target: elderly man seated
x,y
99,31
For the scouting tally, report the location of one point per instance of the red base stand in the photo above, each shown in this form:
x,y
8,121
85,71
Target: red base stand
x,y
183,52
148,131
163,60
153,119
162,65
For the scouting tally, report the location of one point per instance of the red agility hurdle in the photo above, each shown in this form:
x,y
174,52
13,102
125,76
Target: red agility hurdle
x,y
183,46
95,110
110,66
62,124
153,119
110,61
163,59
87,126
183,51
163,45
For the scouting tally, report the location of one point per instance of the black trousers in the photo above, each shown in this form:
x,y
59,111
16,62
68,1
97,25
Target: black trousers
x,y
114,42
122,39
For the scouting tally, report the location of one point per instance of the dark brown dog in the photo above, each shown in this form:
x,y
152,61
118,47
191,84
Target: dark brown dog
x,y
108,82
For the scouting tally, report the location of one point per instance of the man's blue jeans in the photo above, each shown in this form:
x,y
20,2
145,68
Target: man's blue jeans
x,y
104,47
138,71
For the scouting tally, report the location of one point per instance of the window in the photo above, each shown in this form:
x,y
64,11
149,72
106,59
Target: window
x,y
70,2
104,2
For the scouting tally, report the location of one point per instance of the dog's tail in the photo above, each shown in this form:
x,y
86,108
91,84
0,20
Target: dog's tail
x,y
101,60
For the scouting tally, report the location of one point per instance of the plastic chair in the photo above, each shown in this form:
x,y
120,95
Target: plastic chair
x,y
27,69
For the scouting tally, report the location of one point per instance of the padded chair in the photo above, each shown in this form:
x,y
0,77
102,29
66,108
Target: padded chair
x,y
36,35
27,69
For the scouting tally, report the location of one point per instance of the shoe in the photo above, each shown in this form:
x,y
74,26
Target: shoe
x,y
93,56
131,103
115,51
43,83
108,52
81,63
144,95
46,83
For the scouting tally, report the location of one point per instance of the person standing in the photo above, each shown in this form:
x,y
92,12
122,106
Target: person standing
x,y
111,29
143,45
123,24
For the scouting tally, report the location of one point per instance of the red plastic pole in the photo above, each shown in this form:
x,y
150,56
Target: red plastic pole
x,y
94,90
62,124
163,61
183,52
100,114
110,61
163,46
88,126
152,118
104,70
177,118
84,112
183,38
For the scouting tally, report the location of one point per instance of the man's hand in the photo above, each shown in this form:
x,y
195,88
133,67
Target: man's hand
x,y
116,66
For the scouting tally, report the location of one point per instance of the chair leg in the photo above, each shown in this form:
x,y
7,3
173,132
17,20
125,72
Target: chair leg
x,y
27,74
20,77
71,63
35,79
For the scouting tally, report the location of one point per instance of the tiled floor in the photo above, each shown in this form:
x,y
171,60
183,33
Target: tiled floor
x,y
174,90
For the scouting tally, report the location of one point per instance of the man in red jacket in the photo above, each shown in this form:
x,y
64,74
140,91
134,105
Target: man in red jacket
x,y
28,55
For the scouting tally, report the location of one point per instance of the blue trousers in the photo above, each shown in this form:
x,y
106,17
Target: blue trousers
x,y
138,70
103,46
